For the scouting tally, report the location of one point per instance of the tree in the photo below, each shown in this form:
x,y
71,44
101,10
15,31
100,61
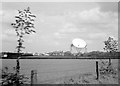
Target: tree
x,y
111,46
24,24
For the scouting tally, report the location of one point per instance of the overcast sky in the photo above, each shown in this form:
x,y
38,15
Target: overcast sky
x,y
58,23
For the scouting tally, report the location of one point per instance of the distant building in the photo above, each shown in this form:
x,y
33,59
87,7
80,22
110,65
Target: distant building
x,y
11,55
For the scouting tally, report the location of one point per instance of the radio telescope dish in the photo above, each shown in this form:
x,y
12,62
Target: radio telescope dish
x,y
79,43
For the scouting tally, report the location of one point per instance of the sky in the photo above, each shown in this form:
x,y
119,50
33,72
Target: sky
x,y
58,23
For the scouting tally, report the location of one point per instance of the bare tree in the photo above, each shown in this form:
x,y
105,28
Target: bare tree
x,y
24,24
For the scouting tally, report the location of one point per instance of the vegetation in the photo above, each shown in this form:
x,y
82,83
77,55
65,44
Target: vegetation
x,y
105,68
24,24
10,78
67,54
111,46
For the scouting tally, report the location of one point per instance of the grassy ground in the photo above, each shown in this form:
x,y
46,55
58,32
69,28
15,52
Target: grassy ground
x,y
87,78
106,76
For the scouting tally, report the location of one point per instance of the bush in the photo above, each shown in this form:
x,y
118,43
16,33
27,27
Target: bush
x,y
11,78
105,68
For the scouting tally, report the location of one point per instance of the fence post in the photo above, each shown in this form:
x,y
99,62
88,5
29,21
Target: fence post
x,y
33,77
97,70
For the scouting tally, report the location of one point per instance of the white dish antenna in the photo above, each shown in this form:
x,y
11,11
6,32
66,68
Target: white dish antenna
x,y
79,43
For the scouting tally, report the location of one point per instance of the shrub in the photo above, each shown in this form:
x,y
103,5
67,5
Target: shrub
x,y
11,78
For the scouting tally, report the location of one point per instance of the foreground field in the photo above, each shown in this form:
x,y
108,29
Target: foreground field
x,y
63,71
87,78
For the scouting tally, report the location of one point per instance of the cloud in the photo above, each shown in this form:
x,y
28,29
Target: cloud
x,y
88,22
8,16
1,12
97,35
58,35
92,16
108,6
69,28
8,34
59,28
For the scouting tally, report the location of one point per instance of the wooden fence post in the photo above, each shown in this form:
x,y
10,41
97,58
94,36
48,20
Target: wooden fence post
x,y
33,77
97,70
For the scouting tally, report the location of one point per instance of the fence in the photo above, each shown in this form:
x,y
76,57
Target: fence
x,y
34,75
34,64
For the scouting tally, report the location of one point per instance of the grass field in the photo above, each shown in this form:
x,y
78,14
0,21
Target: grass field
x,y
61,70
